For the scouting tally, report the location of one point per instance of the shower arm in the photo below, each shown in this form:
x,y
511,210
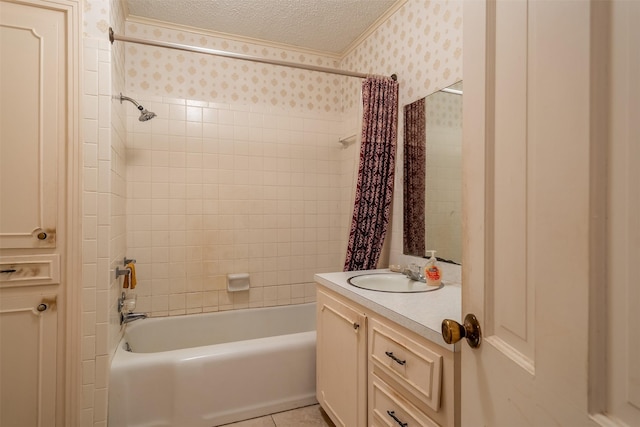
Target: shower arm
x,y
126,98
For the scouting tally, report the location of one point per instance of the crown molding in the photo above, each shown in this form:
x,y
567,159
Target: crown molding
x,y
372,28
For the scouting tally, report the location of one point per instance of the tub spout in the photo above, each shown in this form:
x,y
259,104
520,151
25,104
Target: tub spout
x,y
130,317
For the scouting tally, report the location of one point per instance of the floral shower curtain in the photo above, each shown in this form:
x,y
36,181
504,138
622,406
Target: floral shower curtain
x,y
414,178
374,190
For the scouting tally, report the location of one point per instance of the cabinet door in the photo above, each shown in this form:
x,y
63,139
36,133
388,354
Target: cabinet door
x,y
28,359
32,129
341,361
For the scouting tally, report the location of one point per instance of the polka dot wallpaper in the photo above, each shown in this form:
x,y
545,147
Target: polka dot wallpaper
x,y
179,74
421,43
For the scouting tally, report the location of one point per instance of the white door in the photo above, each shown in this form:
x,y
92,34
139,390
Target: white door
x,y
536,110
38,134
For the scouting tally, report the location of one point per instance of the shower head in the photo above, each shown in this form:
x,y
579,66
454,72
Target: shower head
x,y
144,113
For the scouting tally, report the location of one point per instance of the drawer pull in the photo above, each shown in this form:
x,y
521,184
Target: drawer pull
x,y
395,359
10,270
392,414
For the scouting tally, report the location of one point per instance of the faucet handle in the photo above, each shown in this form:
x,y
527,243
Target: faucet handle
x,y
415,272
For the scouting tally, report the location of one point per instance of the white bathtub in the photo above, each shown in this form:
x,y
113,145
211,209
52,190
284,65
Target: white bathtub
x,y
210,369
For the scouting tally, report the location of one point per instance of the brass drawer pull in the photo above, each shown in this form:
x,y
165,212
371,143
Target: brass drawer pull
x,y
392,414
395,359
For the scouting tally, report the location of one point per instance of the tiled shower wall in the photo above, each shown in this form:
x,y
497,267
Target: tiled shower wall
x,y
241,172
215,189
103,203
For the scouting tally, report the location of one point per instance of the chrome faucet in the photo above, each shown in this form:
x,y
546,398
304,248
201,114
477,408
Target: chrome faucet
x,y
130,317
414,272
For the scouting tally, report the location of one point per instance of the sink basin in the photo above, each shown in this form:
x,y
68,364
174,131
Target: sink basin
x,y
390,282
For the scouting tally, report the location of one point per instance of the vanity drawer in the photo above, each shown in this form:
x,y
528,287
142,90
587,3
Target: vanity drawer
x,y
411,365
389,409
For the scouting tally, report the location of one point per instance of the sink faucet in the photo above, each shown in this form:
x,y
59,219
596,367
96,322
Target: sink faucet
x,y
130,317
414,272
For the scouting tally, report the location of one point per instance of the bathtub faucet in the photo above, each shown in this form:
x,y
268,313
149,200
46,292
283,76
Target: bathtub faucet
x,y
130,317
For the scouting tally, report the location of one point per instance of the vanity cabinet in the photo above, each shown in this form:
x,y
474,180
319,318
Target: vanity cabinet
x,y
407,379
341,362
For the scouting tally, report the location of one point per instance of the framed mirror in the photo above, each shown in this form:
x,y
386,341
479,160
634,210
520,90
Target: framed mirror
x,y
433,175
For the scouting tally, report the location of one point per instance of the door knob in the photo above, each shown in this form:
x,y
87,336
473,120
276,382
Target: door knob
x,y
452,331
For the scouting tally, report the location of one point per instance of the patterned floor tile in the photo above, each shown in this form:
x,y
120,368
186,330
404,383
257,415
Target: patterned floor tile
x,y
254,422
309,416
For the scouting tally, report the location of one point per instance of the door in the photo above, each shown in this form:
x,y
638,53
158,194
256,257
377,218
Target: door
x,y
535,174
38,200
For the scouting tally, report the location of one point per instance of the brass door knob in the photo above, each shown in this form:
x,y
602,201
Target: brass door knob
x,y
452,331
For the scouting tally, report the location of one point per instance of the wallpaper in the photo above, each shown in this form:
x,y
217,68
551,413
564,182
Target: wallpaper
x,y
421,43
179,74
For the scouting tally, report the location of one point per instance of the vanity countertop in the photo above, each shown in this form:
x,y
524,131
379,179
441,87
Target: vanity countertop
x,y
420,312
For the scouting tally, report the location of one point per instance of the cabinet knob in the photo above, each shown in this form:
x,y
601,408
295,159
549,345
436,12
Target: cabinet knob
x,y
452,331
46,304
41,234
356,325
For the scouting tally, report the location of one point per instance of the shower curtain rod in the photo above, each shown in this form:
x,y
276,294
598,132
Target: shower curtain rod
x,y
113,37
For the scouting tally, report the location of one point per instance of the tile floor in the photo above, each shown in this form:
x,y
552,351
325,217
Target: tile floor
x,y
308,416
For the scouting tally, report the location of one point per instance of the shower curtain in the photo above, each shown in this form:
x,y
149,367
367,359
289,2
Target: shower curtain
x,y
414,178
374,190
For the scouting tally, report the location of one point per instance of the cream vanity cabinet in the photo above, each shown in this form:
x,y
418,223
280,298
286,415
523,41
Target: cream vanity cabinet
x,y
341,362
374,372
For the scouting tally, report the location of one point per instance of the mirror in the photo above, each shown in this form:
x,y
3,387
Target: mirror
x,y
433,175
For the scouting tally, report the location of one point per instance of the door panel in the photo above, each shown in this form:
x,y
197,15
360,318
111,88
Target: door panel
x,y
32,83
512,305
623,369
27,360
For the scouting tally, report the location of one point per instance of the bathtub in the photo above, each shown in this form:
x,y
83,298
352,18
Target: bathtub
x,y
205,370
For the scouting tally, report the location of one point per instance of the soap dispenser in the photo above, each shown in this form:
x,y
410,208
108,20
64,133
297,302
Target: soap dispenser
x,y
432,272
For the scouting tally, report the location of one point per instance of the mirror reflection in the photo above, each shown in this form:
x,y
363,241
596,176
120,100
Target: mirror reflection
x,y
433,175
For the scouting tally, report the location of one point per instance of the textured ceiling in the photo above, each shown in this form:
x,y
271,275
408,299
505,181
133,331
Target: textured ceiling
x,y
322,25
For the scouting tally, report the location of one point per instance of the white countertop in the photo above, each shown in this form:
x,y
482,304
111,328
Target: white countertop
x,y
420,312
